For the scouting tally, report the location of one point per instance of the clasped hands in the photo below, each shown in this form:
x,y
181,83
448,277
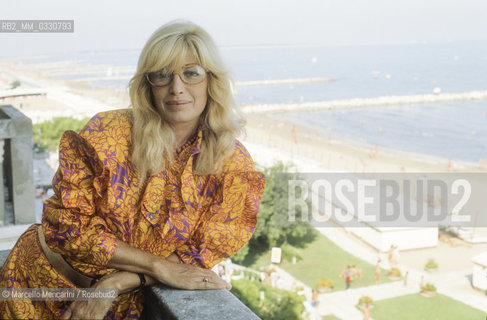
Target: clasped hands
x,y
166,271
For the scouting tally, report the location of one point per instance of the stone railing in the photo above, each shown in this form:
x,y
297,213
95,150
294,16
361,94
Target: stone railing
x,y
16,159
168,303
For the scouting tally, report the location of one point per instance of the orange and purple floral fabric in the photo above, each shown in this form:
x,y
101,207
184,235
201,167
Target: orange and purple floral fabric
x,y
99,199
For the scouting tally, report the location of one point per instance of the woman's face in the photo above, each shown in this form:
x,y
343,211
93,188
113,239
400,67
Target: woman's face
x,y
180,103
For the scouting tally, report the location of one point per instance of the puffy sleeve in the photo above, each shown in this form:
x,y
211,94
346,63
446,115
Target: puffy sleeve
x,y
70,223
230,220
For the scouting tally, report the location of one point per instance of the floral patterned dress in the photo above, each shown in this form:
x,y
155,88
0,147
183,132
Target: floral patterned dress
x,y
99,199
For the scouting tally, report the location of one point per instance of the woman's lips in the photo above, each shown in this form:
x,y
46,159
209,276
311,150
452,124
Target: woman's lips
x,y
177,103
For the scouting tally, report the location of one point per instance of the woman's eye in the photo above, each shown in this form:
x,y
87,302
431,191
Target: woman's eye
x,y
161,75
191,73
194,71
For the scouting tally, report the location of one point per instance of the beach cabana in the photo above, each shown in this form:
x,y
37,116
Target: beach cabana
x,y
404,238
479,276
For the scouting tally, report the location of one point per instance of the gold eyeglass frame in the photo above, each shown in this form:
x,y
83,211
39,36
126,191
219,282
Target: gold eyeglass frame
x,y
207,73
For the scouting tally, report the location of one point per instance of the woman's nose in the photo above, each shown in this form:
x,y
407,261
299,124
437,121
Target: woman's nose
x,y
177,84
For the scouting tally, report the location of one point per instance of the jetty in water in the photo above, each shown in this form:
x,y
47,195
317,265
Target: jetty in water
x,y
364,102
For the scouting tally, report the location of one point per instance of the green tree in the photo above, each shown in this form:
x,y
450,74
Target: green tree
x,y
273,225
14,84
239,257
48,134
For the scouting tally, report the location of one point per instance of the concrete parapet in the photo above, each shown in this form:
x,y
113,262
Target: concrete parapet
x,y
168,303
162,303
16,132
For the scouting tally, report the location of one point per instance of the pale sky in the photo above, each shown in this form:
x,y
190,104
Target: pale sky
x,y
111,25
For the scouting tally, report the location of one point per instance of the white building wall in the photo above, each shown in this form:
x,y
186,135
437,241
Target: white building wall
x,y
479,275
403,238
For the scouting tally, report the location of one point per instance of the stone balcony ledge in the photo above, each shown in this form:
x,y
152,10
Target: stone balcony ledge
x,y
169,303
165,303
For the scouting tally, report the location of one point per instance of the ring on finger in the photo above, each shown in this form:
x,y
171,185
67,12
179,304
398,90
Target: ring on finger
x,y
205,279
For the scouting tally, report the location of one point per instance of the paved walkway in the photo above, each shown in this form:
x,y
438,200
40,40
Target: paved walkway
x,y
455,285
342,303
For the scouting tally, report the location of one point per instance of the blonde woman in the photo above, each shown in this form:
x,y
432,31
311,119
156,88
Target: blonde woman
x,y
158,193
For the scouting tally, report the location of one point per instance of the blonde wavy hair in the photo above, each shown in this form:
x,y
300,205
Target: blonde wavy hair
x,y
221,121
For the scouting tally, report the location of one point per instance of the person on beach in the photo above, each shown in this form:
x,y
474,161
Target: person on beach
x,y
314,299
377,272
347,275
159,193
366,312
221,271
393,256
396,255
356,272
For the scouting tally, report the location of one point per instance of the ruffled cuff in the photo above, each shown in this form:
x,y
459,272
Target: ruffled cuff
x,y
230,222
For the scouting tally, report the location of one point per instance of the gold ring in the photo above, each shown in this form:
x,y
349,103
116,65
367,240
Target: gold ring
x,y
205,279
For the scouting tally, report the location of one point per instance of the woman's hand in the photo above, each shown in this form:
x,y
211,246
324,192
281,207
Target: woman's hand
x,y
166,271
186,276
92,308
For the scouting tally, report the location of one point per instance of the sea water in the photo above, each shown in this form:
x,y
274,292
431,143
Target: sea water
x,y
453,130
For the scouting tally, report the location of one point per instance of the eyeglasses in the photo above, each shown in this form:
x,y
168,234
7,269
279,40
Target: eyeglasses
x,y
191,74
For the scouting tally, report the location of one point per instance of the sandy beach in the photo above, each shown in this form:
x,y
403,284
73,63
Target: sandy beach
x,y
337,154
329,152
60,97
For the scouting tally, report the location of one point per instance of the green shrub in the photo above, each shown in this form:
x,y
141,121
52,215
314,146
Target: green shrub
x,y
431,264
429,287
364,300
251,275
277,304
325,283
14,84
394,272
